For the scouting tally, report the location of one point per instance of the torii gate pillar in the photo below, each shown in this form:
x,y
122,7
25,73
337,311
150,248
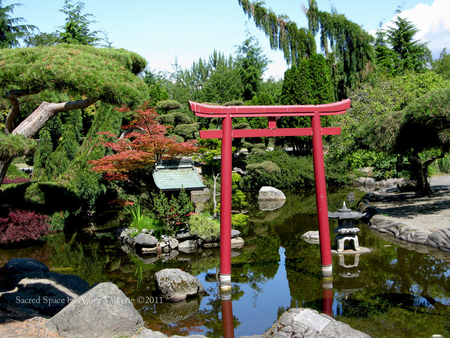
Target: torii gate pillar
x,y
273,113
225,204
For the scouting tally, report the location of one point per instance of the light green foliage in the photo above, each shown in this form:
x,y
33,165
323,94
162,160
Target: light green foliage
x,y
111,74
13,146
239,220
187,131
139,221
238,198
204,226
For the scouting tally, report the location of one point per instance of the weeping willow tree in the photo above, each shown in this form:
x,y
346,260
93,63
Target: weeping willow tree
x,y
347,47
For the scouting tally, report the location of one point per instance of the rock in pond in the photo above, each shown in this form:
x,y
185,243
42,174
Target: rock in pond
x,y
175,285
269,194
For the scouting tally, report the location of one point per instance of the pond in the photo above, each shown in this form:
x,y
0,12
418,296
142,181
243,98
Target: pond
x,y
397,290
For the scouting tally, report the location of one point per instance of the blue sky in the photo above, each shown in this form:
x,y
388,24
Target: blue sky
x,y
161,31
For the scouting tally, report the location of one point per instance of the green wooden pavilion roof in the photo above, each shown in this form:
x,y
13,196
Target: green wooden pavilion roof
x,y
177,174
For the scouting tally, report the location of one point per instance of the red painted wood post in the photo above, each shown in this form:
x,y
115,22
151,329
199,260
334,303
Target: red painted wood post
x,y
225,205
321,197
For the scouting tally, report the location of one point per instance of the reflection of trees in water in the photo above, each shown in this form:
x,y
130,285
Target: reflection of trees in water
x,y
85,259
303,272
211,316
400,286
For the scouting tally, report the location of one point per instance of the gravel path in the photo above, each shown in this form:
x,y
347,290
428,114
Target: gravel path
x,y
427,213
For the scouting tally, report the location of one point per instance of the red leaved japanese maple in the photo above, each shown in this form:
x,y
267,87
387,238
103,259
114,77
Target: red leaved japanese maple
x,y
144,143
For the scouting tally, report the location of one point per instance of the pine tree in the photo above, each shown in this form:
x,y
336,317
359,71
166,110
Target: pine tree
x,y
12,29
410,54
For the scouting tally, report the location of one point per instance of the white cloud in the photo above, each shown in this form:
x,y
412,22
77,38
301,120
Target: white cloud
x,y
433,23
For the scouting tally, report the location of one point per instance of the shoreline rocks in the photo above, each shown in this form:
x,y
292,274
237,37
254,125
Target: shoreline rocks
x,y
183,241
403,230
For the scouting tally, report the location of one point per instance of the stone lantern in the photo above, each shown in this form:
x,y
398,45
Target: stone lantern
x,y
346,231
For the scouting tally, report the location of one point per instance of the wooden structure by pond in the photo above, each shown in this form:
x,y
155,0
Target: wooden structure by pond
x,y
273,113
174,175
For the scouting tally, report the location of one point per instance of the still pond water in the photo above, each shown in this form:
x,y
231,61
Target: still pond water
x,y
397,290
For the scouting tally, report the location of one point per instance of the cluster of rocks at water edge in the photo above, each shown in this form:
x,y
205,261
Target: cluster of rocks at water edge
x,y
183,241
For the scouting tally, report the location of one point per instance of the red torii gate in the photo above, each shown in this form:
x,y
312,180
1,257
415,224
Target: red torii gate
x,y
273,113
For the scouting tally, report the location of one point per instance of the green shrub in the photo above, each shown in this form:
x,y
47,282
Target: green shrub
x,y
204,226
58,221
139,221
239,220
15,172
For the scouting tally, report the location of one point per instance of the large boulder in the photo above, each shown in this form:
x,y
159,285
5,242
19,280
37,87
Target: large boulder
x,y
29,289
175,285
270,194
24,265
103,311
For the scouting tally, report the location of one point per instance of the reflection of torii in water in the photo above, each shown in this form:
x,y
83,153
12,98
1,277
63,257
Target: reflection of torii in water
x,y
272,113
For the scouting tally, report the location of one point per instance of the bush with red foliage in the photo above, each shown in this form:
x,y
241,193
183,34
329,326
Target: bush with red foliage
x,y
15,180
22,225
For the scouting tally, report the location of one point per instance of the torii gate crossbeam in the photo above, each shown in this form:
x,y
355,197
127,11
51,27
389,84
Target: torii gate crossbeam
x,y
272,113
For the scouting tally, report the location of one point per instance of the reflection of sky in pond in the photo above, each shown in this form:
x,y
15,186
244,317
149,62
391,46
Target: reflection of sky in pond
x,y
253,309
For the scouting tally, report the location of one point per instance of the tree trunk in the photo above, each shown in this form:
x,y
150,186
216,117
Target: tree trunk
x,y
419,171
4,165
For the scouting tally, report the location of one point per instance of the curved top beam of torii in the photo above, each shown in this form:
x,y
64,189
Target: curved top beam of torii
x,y
205,110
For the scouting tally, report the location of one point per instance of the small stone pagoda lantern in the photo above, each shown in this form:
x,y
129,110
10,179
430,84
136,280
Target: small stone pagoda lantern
x,y
346,230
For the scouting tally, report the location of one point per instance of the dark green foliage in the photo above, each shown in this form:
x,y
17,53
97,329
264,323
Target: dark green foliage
x,y
280,170
425,123
42,167
174,211
42,39
167,105
308,84
12,29
187,130
13,146
76,29
277,169
410,54
252,66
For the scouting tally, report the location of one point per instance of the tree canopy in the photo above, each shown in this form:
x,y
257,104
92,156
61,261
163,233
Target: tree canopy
x,y
108,75
84,74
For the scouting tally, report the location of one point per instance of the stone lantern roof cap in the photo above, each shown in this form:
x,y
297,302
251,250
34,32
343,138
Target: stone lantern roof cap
x,y
345,213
